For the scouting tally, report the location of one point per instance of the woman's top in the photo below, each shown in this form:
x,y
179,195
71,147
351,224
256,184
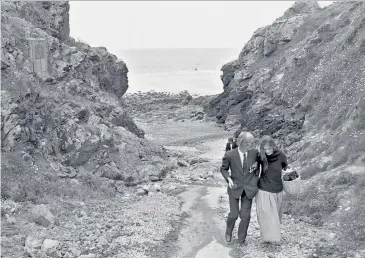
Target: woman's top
x,y
270,180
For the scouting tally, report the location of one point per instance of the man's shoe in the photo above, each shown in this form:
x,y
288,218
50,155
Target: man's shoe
x,y
228,238
241,243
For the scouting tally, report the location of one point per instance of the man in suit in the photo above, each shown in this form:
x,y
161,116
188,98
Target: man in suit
x,y
234,144
244,164
229,144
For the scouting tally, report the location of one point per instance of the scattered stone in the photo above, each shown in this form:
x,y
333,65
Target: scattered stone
x,y
151,194
102,241
198,160
154,178
305,219
32,243
11,220
8,207
194,178
167,188
204,176
332,236
82,214
157,187
141,192
49,246
146,188
110,172
182,163
75,251
67,172
120,187
42,216
151,171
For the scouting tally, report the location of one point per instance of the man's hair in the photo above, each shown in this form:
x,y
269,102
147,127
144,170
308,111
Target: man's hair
x,y
245,136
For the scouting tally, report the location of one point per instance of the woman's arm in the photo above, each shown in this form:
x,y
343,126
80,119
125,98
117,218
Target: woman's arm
x,y
284,162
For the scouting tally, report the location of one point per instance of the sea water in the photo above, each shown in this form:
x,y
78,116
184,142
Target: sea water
x,y
174,70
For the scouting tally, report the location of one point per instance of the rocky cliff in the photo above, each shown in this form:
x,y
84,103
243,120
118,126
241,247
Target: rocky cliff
x,y
68,117
302,80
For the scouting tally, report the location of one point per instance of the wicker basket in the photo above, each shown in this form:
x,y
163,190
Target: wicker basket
x,y
293,187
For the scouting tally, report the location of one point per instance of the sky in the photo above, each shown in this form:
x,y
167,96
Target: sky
x,y
120,25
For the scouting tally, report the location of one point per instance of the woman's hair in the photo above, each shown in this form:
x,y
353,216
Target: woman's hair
x,y
266,140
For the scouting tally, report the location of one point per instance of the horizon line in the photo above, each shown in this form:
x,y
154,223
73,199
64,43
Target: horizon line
x,y
154,48
178,48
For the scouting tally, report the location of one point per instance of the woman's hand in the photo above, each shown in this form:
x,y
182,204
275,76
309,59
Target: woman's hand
x,y
289,169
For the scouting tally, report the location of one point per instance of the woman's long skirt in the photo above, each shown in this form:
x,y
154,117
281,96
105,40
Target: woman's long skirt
x,y
269,214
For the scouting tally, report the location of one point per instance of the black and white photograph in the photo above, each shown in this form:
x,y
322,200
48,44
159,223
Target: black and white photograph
x,y
182,129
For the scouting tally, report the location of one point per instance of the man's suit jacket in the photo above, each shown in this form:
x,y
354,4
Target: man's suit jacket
x,y
245,176
228,146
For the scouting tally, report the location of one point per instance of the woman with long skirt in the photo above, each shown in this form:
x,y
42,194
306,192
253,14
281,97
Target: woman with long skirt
x,y
269,198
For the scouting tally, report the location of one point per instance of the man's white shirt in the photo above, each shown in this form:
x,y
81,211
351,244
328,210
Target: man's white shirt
x,y
241,155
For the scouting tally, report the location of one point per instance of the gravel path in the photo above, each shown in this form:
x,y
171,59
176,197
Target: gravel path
x,y
202,234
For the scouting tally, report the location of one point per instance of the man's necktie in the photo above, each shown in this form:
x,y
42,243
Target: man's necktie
x,y
244,161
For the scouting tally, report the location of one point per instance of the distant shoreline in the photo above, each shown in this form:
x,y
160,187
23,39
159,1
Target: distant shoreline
x,y
181,48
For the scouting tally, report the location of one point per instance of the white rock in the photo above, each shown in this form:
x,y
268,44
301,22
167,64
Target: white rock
x,y
102,242
182,163
150,194
146,188
33,243
141,192
332,235
157,187
49,246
